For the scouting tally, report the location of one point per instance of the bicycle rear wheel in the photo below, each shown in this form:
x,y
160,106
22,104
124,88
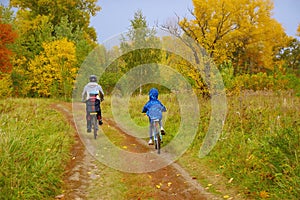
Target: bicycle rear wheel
x,y
94,124
157,136
158,143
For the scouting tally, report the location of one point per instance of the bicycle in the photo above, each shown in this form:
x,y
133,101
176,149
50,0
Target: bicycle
x,y
92,114
157,134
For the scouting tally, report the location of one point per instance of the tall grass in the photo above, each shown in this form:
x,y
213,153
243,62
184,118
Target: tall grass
x,y
259,147
34,146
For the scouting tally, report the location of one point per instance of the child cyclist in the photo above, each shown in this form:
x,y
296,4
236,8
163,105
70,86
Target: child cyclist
x,y
154,108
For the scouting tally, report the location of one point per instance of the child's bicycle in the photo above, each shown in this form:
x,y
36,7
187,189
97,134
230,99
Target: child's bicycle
x,y
157,134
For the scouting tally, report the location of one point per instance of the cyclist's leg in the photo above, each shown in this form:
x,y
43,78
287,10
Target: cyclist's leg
x,y
99,114
162,130
150,132
99,117
88,121
88,116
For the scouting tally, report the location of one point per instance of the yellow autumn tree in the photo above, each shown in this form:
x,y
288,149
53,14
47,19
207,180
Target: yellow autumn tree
x,y
183,66
53,71
240,31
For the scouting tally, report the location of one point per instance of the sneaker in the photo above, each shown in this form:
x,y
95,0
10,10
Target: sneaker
x,y
89,130
162,131
150,142
100,122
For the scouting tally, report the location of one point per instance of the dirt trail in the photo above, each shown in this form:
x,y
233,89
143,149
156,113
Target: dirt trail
x,y
78,174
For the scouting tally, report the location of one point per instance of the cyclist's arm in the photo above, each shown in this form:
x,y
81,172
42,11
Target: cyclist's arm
x,y
145,109
83,95
101,93
164,109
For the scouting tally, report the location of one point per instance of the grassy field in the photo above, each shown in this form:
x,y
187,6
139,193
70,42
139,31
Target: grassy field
x,y
34,147
258,152
256,157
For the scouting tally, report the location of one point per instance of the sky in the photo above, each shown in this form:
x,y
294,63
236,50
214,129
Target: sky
x,y
115,16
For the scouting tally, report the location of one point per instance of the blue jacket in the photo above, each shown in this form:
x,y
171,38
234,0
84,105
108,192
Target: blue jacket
x,y
154,108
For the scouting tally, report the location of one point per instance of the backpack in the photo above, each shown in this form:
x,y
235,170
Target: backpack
x,y
93,104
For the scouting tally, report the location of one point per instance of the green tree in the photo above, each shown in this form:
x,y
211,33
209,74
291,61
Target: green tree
x,y
6,14
78,12
65,29
290,56
35,29
32,34
141,46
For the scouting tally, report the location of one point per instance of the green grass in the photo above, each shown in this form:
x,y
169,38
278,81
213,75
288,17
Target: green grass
x,y
34,147
259,147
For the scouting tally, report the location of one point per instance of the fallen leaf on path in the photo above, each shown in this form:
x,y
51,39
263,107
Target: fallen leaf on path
x,y
169,184
124,147
264,194
61,196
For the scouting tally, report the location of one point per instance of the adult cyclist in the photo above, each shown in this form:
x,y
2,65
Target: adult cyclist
x,y
92,95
